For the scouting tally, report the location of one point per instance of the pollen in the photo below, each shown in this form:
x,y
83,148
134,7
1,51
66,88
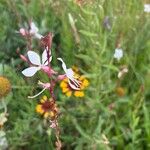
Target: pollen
x,y
5,86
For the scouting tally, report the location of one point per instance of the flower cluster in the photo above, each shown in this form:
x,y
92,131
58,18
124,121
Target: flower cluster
x,y
71,81
33,31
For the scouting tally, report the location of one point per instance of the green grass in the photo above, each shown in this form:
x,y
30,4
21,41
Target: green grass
x,y
83,122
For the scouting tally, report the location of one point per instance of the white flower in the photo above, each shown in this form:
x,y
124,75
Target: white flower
x,y
147,8
122,72
118,53
34,58
73,82
34,31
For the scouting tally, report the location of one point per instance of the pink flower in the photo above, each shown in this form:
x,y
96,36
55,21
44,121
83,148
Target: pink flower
x,y
34,31
23,31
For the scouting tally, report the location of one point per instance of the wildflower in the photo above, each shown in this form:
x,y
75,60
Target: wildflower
x,y
120,91
23,31
5,86
34,31
34,58
68,90
147,8
47,108
122,72
69,73
118,53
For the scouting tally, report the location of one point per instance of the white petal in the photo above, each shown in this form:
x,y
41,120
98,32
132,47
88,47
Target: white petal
x,y
63,65
44,57
29,72
69,73
50,59
34,28
38,36
34,58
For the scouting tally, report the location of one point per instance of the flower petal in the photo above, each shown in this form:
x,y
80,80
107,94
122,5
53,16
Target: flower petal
x,y
70,73
63,64
44,57
34,58
34,28
29,72
38,36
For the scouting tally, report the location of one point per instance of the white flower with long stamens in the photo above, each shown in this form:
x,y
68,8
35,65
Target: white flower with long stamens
x,y
35,60
45,87
118,53
73,82
147,8
34,31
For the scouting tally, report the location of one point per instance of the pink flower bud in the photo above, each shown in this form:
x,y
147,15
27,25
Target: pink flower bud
x,y
61,77
23,32
23,58
44,85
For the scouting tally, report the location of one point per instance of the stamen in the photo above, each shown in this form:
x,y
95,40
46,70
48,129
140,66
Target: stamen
x,y
37,94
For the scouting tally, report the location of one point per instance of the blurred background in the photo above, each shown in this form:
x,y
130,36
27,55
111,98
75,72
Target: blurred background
x,y
114,114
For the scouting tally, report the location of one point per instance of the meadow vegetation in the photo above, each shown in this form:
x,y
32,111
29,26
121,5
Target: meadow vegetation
x,y
114,113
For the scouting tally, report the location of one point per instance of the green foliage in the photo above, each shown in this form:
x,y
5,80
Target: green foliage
x,y
87,123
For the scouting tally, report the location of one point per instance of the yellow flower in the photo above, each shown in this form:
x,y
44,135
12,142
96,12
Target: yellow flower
x,y
68,91
79,93
47,108
120,91
5,86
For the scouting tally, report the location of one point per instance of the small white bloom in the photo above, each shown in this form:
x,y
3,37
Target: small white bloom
x,y
73,82
34,31
118,53
34,58
122,72
147,8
